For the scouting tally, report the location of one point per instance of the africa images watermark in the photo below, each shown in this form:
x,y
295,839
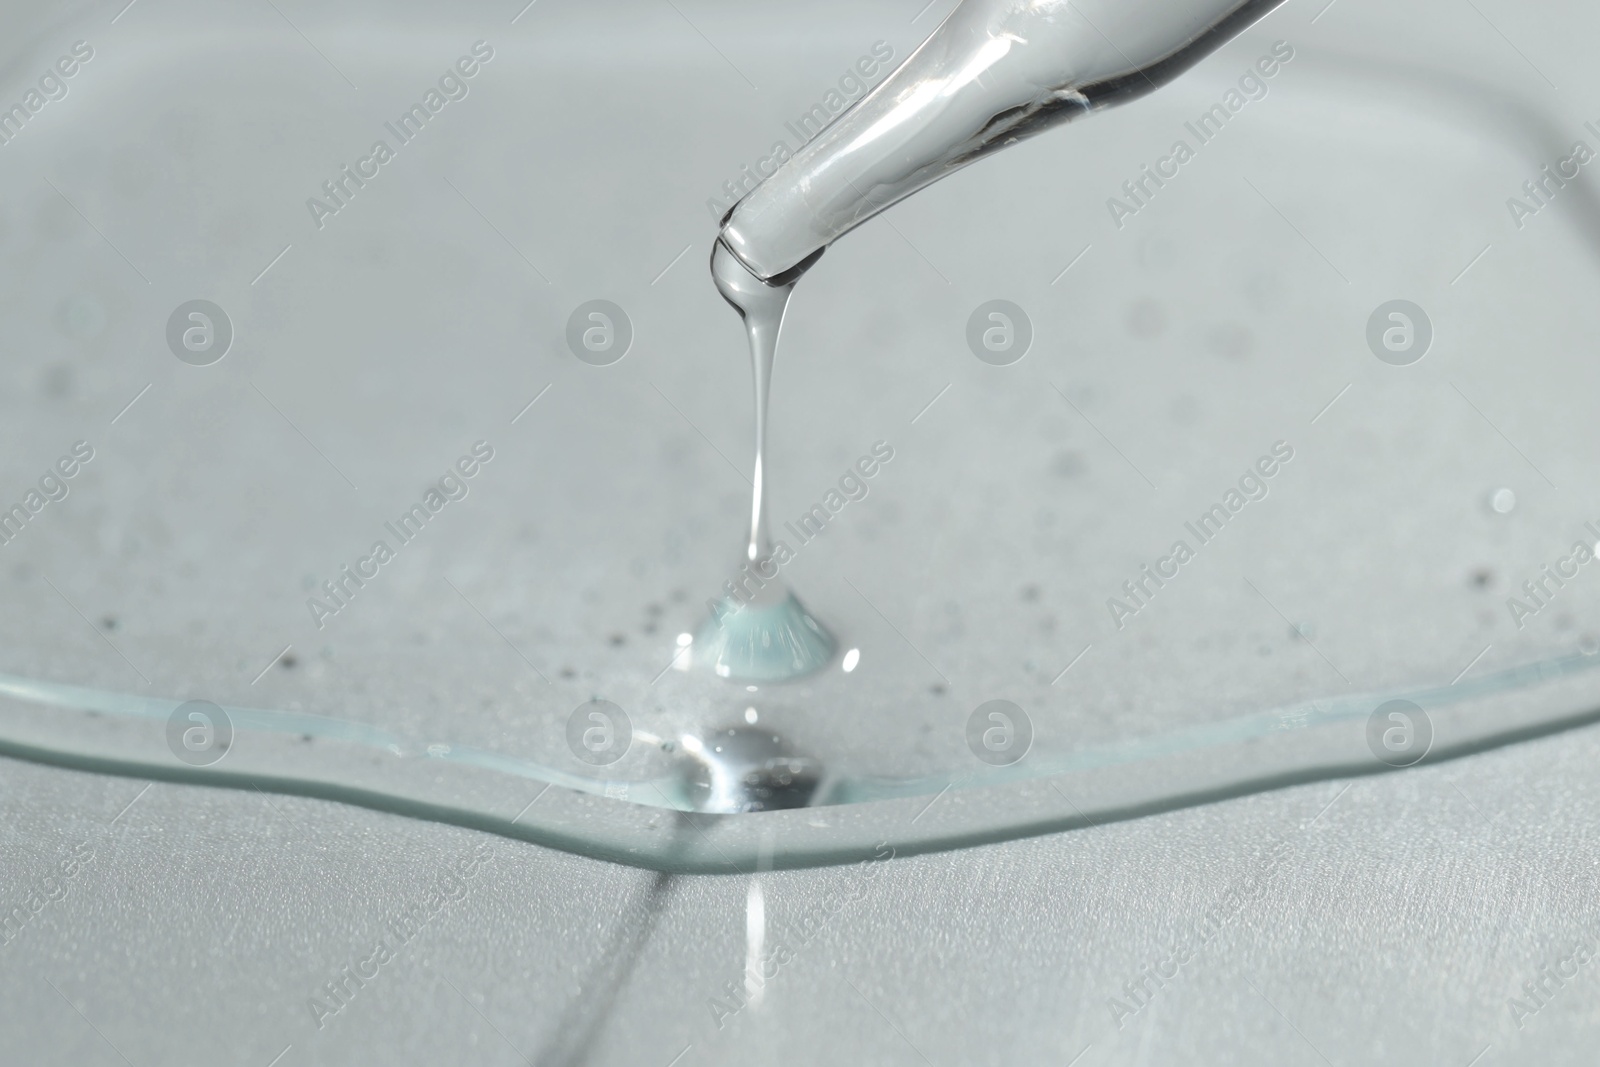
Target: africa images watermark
x,y
52,86
1540,191
1540,990
1551,579
51,889
53,486
853,84
1139,191
1140,990
451,886
1152,578
453,85
753,575
794,936
452,485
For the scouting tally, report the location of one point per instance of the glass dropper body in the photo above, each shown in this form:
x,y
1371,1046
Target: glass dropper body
x,y
993,73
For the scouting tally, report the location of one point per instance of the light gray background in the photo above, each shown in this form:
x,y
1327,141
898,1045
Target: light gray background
x,y
1402,913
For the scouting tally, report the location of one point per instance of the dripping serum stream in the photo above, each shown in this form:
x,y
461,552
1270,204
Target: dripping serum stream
x,y
769,635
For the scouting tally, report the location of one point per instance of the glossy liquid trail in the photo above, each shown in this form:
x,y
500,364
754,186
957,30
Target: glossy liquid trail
x,y
760,631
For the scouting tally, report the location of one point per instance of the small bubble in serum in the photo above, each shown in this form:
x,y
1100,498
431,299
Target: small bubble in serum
x,y
851,658
751,715
1502,501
